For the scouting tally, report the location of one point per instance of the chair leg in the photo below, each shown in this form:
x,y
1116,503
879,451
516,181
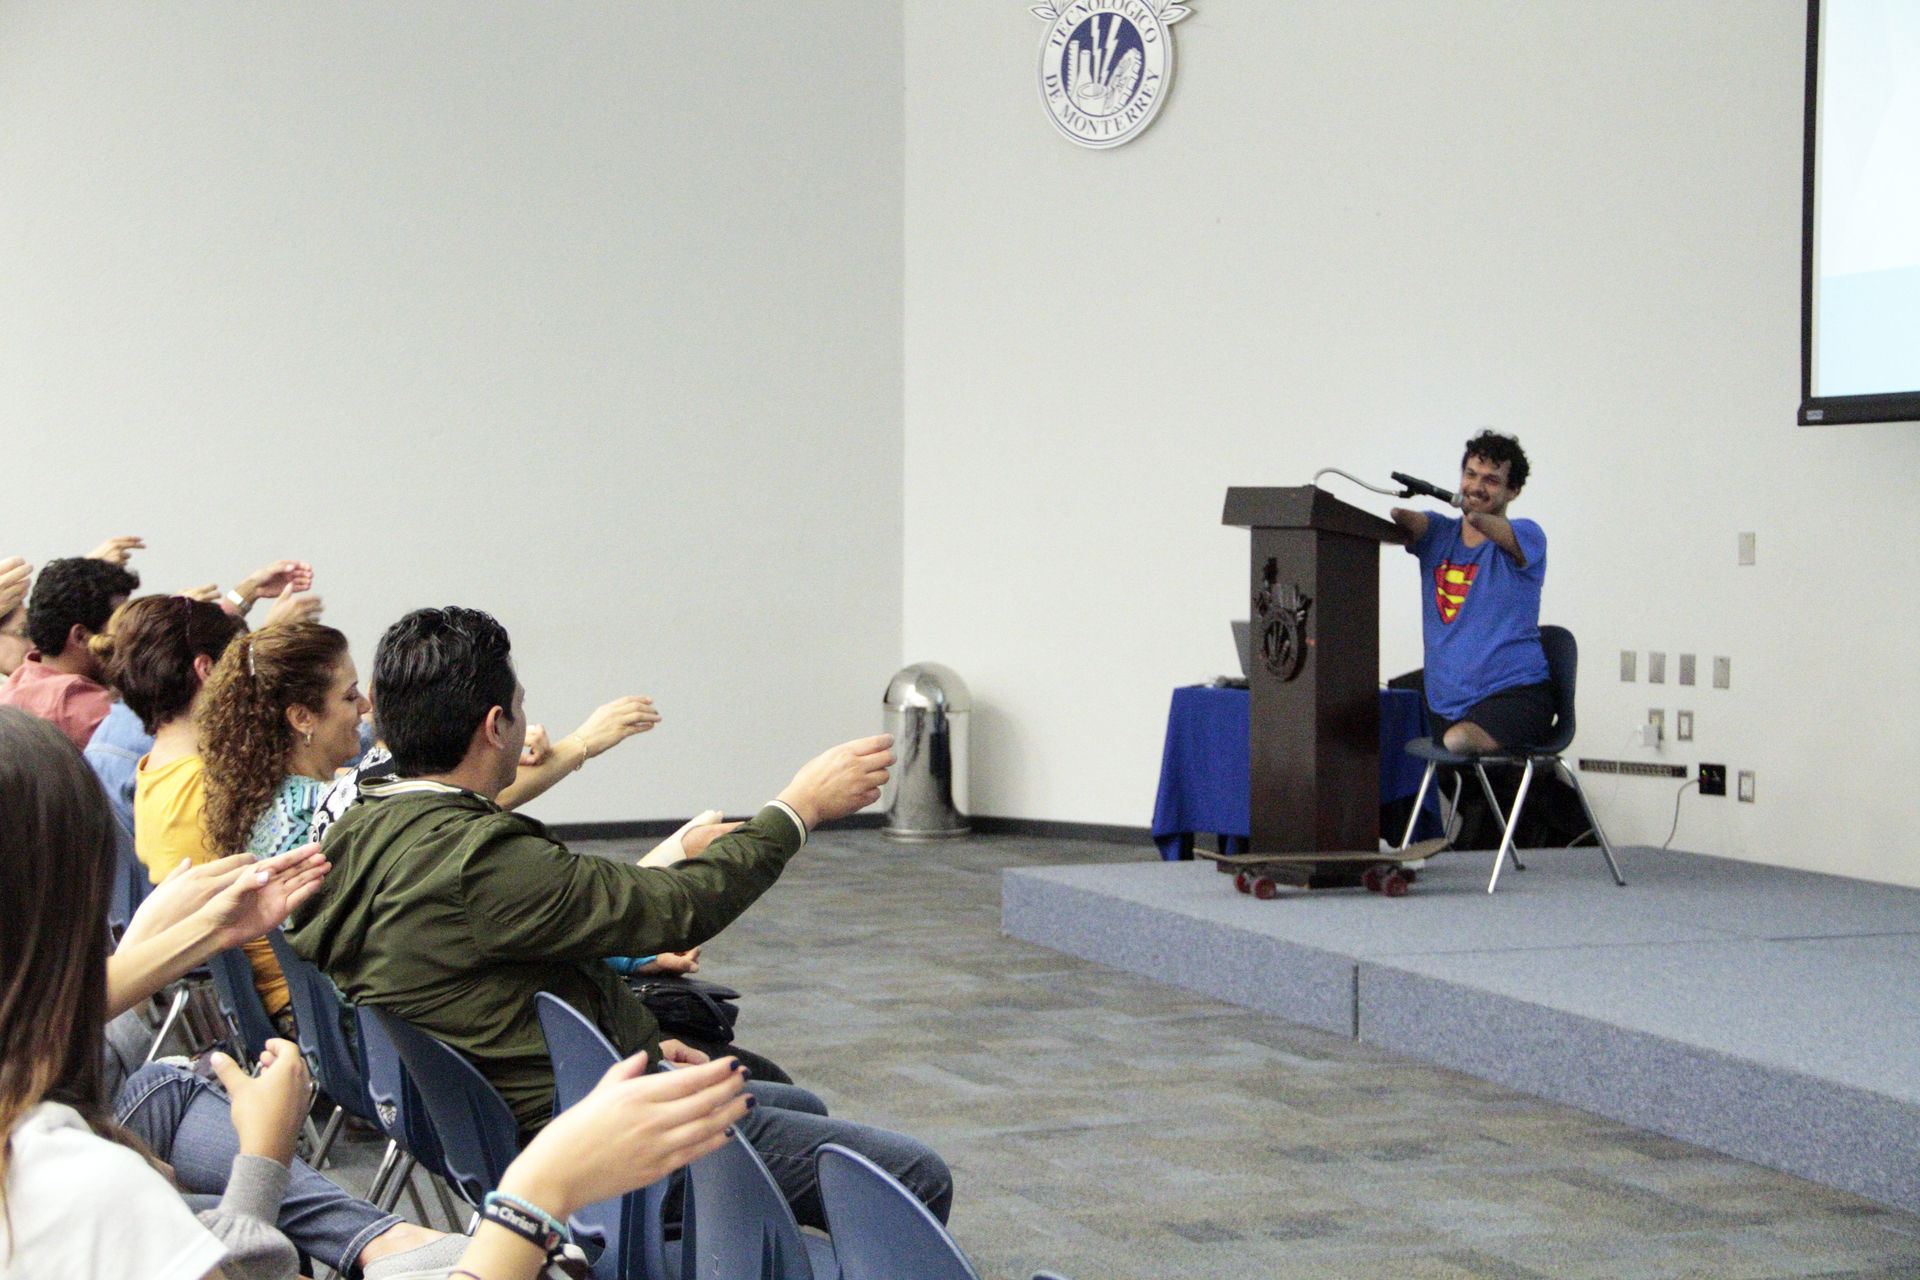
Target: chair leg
x,y
327,1135
1599,832
388,1161
1505,819
456,1221
178,1007
413,1195
1426,781
1513,821
390,1194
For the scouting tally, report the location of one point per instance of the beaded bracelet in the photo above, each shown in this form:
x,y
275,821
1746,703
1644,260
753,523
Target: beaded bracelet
x,y
527,1220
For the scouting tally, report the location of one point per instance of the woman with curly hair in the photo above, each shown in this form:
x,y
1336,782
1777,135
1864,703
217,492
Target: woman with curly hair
x,y
282,716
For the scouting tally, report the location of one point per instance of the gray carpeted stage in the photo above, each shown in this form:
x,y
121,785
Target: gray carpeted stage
x,y
1773,1015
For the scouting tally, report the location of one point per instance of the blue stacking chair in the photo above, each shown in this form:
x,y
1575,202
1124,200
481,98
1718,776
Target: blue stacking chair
x,y
477,1135
332,1050
400,1113
632,1228
739,1226
1563,668
880,1229
240,999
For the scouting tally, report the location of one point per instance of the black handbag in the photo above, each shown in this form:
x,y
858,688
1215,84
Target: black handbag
x,y
689,1007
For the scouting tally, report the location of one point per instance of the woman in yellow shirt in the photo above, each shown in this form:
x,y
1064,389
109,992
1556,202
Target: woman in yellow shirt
x,y
163,649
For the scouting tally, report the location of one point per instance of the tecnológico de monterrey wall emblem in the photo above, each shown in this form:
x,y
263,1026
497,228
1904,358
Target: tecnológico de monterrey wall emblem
x,y
1106,66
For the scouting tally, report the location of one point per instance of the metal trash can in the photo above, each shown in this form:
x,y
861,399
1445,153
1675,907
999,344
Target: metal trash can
x,y
928,707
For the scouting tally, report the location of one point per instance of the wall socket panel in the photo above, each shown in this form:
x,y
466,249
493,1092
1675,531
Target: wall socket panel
x,y
1746,786
1713,779
1633,768
1723,673
1746,548
1686,668
1657,721
1656,667
1629,661
1683,726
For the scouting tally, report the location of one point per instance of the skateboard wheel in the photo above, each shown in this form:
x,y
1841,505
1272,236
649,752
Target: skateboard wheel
x,y
1243,881
1394,884
1371,879
1265,889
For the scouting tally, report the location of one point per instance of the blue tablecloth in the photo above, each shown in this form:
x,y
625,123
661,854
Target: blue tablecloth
x,y
1204,783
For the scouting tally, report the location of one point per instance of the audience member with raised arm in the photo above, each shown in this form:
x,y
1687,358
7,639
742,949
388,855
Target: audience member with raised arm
x,y
454,913
61,680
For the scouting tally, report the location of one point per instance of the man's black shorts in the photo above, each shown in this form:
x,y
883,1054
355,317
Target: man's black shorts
x,y
1516,717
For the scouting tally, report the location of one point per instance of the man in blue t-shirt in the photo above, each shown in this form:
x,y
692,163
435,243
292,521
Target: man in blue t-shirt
x,y
1481,575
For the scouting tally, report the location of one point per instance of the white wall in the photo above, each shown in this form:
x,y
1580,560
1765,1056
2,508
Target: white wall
x,y
1356,233
586,314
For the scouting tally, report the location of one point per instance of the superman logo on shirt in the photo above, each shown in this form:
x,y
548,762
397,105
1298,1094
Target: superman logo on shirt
x,y
1451,582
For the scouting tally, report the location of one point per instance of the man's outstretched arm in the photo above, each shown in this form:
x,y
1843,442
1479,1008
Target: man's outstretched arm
x,y
1499,530
1413,523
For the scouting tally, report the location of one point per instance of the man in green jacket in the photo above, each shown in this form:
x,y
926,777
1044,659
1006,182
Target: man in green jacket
x,y
452,912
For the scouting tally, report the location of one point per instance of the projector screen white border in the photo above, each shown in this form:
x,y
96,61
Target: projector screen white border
x,y
1815,410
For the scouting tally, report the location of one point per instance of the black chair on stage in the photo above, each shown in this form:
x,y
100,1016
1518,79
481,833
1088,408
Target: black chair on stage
x,y
1563,665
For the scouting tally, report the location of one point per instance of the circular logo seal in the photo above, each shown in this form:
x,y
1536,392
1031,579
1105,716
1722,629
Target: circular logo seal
x,y
1106,65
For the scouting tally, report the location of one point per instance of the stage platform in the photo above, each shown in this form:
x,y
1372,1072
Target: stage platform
x,y
1769,1014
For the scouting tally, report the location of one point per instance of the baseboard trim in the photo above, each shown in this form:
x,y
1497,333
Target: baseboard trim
x,y
1102,831
659,828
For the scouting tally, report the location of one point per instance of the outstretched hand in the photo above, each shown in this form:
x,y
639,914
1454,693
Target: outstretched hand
x,y
840,780
288,607
117,550
273,577
633,1129
231,900
615,722
16,575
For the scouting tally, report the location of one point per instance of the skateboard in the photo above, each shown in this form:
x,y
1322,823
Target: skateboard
x,y
1389,873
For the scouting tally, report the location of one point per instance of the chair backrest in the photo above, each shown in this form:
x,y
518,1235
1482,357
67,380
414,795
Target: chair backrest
x,y
739,1224
1563,667
880,1229
233,984
327,1028
632,1227
397,1107
477,1134
130,883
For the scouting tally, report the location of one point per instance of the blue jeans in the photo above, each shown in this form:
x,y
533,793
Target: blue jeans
x,y
185,1122
788,1125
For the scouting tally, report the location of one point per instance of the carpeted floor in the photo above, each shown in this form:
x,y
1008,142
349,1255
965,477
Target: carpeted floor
x,y
1106,1126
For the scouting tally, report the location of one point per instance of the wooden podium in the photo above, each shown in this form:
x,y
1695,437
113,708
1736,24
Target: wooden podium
x,y
1314,676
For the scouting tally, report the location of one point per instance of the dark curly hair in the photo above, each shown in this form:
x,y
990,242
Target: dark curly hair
x,y
436,674
245,736
66,592
1496,448
149,648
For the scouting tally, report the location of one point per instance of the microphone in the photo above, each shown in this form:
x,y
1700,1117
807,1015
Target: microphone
x,y
1423,489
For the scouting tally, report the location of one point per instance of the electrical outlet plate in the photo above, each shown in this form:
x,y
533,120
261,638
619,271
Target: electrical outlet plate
x,y
1746,786
1746,548
1628,661
1683,726
1686,668
1723,673
1713,779
1656,667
